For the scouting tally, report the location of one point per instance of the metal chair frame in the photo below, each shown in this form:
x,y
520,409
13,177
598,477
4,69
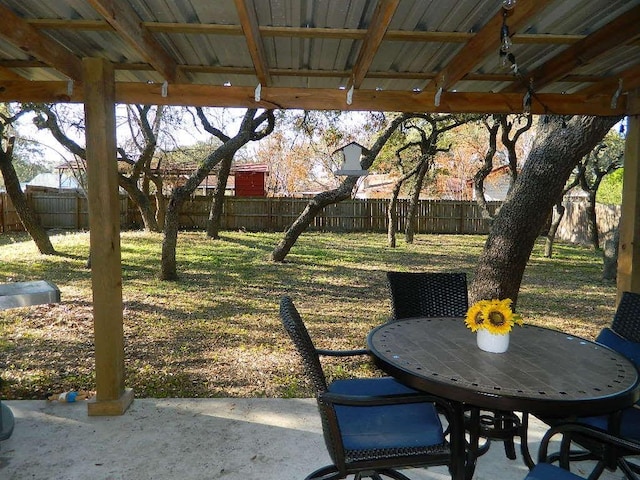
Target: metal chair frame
x,y
626,323
370,463
572,430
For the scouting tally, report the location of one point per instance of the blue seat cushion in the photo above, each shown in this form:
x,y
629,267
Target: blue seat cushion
x,y
544,471
629,423
390,426
629,349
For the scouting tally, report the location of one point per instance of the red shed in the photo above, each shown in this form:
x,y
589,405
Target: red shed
x,y
250,180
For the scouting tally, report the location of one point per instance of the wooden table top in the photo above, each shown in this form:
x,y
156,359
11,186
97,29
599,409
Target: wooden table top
x,y
544,371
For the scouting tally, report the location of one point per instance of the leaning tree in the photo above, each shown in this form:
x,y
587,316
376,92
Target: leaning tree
x,y
254,126
12,183
557,149
328,197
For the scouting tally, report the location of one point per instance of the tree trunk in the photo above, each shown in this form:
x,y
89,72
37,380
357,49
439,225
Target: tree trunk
x,y
392,215
555,153
141,200
409,229
592,221
213,224
303,221
169,270
19,200
553,229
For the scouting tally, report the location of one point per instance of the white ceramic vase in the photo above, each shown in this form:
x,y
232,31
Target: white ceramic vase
x,y
491,342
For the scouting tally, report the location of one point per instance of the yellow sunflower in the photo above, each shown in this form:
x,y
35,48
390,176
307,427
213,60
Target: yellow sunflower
x,y
498,317
474,319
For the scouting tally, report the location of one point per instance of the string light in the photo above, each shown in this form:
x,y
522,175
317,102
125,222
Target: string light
x,y
505,42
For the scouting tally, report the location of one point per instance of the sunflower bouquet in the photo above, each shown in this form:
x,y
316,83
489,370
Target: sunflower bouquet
x,y
494,316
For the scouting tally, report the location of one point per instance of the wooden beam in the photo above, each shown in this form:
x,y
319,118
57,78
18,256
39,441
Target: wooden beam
x,y
7,74
620,31
290,72
317,99
125,21
104,217
485,42
629,246
19,33
298,32
375,33
249,22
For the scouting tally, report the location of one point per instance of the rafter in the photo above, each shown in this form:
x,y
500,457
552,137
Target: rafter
x,y
375,33
298,32
18,32
125,21
630,81
622,30
7,74
485,42
249,22
315,99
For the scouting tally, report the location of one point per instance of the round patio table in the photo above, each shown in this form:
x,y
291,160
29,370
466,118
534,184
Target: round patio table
x,y
544,372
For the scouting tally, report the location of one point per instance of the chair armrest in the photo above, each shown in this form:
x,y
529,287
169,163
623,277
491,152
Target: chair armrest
x,y
342,353
594,433
331,398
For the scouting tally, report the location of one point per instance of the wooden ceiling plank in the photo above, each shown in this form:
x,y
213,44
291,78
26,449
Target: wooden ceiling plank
x,y
121,16
485,42
249,22
19,33
620,31
316,99
382,16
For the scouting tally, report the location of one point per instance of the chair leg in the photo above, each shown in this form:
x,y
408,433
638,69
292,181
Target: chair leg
x,y
330,472
630,470
390,474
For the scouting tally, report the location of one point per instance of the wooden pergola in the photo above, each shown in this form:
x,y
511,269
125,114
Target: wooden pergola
x,y
565,58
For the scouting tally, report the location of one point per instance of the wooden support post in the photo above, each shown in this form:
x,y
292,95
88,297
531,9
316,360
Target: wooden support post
x,y
104,226
629,247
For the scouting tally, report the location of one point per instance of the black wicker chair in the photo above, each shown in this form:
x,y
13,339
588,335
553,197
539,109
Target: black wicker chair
x,y
427,294
373,426
624,337
445,294
545,471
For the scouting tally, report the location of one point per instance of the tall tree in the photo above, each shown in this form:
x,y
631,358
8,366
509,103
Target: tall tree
x,y
254,126
605,158
429,127
557,149
12,184
492,125
138,158
556,217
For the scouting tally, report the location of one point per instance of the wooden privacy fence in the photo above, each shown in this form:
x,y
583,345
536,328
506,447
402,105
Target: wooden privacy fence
x,y
69,211
356,215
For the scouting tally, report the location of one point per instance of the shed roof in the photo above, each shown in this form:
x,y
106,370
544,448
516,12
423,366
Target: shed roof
x,y
576,57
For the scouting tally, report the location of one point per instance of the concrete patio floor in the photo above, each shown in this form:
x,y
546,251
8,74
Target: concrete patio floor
x,y
230,439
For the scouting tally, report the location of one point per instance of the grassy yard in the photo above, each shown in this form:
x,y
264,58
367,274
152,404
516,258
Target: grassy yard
x,y
216,332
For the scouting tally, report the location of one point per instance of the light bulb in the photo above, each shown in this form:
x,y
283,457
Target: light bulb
x,y
504,62
508,4
506,44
